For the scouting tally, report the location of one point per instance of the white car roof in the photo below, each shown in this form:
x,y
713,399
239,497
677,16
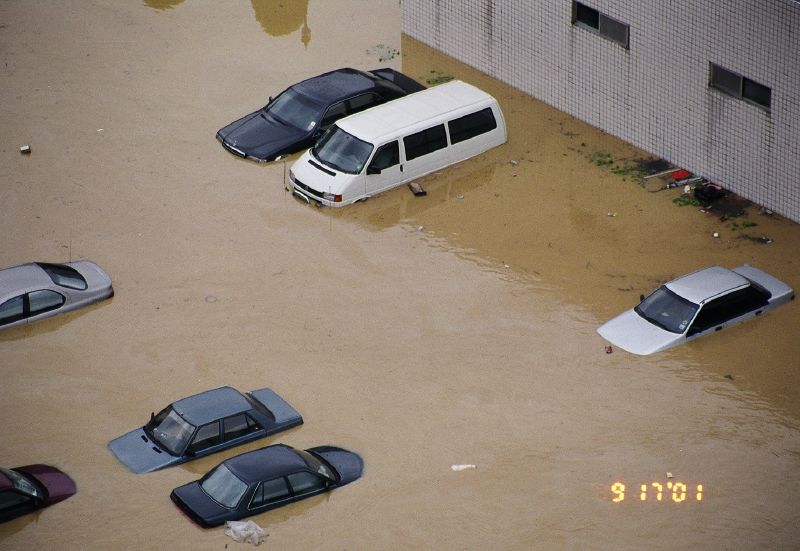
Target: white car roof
x,y
706,283
371,125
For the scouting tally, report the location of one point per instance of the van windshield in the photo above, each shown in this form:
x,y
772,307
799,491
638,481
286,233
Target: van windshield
x,y
342,151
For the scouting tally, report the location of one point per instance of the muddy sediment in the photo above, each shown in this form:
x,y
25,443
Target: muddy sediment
x,y
421,332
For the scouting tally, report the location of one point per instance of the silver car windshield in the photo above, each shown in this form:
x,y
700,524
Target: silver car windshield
x,y
667,310
170,430
223,486
296,110
342,151
21,483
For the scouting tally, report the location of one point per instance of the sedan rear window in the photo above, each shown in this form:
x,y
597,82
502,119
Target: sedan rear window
x,y
64,276
667,310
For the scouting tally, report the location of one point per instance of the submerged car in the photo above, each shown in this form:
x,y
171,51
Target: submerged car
x,y
203,424
694,305
294,119
37,290
265,479
33,487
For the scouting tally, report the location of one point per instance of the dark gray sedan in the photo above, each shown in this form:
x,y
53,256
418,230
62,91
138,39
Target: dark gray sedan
x,y
264,479
37,290
203,424
694,305
293,120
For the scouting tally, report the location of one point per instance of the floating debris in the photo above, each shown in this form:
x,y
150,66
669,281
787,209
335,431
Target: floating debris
x,y
463,467
25,149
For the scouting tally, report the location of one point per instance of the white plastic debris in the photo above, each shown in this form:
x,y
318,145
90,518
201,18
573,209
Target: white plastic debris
x,y
245,532
716,234
669,474
25,149
462,466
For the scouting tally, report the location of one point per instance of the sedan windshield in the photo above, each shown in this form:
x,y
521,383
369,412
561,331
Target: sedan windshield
x,y
170,430
21,483
342,151
223,486
667,310
296,110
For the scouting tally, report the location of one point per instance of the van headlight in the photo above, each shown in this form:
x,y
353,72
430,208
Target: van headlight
x,y
291,176
334,198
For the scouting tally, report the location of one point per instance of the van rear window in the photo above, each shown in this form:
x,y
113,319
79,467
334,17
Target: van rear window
x,y
469,126
425,141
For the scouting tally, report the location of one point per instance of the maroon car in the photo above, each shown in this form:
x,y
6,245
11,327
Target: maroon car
x,y
26,489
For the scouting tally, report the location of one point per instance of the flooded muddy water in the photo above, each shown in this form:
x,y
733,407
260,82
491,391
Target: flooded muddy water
x,y
421,332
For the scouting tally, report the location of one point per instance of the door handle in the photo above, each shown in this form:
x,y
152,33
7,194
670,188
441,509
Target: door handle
x,y
401,168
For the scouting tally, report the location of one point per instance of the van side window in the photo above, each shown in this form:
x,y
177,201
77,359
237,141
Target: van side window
x,y
386,156
425,141
469,126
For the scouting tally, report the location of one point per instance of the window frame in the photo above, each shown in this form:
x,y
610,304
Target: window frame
x,y
190,448
468,132
717,75
605,24
260,487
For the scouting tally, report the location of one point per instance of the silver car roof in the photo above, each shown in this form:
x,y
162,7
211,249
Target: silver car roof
x,y
19,279
706,283
211,405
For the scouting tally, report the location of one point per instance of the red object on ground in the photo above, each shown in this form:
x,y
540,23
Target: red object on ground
x,y
680,174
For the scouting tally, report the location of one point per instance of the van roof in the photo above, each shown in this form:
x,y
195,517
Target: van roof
x,y
396,115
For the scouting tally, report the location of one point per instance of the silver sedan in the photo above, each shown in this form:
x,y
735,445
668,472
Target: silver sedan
x,y
694,305
37,290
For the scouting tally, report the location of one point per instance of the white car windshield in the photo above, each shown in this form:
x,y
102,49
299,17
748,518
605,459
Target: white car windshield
x,y
170,430
223,486
667,310
342,151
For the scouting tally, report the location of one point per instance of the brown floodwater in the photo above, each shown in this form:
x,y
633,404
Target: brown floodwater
x,y
421,332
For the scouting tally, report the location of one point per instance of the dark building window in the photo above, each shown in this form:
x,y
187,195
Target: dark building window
x,y
593,20
740,87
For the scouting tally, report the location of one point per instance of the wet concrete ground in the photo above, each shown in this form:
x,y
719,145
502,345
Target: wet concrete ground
x,y
470,340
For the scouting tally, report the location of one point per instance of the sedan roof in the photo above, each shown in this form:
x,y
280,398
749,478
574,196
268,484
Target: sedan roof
x,y
335,85
211,405
706,283
265,463
22,277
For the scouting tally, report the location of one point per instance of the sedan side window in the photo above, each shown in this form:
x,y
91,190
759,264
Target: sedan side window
x,y
239,425
12,310
730,306
359,103
11,501
207,436
333,114
386,156
44,301
270,491
305,483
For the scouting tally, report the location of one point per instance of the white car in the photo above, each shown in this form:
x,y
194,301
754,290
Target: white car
x,y
694,305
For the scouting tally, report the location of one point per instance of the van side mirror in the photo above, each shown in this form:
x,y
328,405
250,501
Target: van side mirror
x,y
373,170
641,298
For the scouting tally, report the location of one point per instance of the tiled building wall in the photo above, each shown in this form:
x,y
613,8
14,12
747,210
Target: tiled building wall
x,y
655,94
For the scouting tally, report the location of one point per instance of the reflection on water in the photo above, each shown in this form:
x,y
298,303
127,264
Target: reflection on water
x,y
276,17
162,4
282,17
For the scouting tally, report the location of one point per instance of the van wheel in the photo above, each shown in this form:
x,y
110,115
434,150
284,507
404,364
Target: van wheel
x,y
362,199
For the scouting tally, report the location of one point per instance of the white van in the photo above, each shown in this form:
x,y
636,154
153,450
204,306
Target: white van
x,y
399,141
